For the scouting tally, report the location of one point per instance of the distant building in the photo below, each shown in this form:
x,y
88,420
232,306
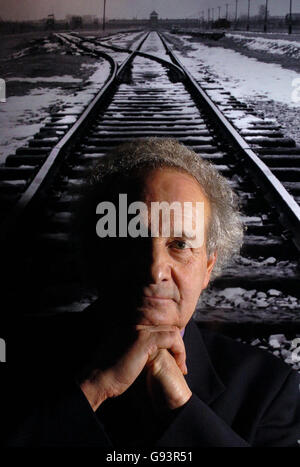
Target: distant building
x,y
153,19
50,22
153,22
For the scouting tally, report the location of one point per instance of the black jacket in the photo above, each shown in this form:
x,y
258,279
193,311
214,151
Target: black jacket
x,y
242,396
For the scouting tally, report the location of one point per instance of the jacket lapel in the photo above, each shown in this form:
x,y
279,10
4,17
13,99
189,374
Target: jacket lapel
x,y
202,377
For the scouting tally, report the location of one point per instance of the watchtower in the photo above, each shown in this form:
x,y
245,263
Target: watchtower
x,y
153,19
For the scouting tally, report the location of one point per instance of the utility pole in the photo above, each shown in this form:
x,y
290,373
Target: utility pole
x,y
104,6
248,18
236,12
227,5
291,18
219,8
208,16
266,18
212,15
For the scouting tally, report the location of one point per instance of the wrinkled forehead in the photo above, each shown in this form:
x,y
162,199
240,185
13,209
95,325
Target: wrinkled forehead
x,y
172,202
173,187
174,184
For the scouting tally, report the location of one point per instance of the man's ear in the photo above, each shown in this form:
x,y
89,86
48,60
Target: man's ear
x,y
209,267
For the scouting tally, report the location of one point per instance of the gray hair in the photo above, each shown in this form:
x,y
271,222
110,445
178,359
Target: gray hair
x,y
225,230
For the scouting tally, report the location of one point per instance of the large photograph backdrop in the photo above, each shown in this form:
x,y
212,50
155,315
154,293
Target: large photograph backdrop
x,y
57,57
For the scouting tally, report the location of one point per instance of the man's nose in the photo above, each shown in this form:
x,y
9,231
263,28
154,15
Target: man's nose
x,y
158,264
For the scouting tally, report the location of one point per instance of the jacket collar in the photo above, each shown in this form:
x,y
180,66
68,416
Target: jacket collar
x,y
202,377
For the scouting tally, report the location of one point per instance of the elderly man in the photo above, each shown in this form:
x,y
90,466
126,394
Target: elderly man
x,y
134,369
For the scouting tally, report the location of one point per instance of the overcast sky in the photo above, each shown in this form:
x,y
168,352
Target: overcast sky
x,y
36,9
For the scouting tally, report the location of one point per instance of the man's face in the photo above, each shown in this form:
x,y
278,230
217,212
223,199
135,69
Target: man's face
x,y
161,278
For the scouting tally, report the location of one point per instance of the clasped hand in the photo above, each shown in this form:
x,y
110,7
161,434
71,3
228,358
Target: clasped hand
x,y
159,351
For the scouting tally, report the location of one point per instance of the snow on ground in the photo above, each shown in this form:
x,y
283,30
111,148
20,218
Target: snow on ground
x,y
280,346
243,122
273,46
22,116
119,57
272,90
40,46
52,45
154,45
242,76
123,40
252,300
52,79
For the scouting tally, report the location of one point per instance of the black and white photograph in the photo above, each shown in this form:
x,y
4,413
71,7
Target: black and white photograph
x,y
150,226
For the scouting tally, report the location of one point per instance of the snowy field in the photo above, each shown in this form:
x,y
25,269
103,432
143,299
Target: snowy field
x,y
273,46
23,114
272,90
244,77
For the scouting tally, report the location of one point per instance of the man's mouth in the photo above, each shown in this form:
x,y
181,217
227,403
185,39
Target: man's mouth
x,y
147,297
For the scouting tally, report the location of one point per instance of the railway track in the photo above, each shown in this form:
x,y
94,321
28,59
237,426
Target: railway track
x,y
152,94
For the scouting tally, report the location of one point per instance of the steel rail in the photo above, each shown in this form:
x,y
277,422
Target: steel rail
x,y
30,196
277,193
64,37
160,60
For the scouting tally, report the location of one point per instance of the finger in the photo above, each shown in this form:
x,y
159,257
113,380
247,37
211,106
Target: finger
x,y
179,353
172,341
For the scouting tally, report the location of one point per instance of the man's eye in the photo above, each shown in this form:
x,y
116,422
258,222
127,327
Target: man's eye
x,y
180,244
